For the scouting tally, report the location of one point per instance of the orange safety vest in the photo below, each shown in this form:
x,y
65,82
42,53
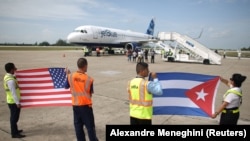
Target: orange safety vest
x,y
80,87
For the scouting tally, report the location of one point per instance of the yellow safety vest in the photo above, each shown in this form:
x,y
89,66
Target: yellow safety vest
x,y
140,99
9,97
234,92
86,50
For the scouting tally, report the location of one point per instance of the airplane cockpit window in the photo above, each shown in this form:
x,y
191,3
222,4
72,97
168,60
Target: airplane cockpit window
x,y
82,31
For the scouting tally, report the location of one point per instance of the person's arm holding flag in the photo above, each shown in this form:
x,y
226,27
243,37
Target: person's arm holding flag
x,y
154,86
66,84
225,81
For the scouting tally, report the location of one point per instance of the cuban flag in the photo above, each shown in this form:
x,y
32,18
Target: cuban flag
x,y
186,94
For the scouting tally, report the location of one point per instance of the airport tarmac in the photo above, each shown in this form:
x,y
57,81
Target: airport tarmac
x,y
111,74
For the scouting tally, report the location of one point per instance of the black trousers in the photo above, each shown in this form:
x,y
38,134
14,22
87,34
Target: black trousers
x,y
14,117
136,121
229,118
84,116
152,59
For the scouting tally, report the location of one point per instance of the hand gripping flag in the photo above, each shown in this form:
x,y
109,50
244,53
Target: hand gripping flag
x,y
43,87
186,94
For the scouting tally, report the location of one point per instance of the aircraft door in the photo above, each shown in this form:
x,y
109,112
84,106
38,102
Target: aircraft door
x,y
95,33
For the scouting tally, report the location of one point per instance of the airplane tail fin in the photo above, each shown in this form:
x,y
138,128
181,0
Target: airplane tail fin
x,y
151,27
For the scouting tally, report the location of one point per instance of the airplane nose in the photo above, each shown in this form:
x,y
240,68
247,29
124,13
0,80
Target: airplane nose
x,y
71,38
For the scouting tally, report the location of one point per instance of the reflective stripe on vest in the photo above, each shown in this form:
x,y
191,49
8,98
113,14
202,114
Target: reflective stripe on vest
x,y
80,97
232,111
9,97
234,92
142,90
140,100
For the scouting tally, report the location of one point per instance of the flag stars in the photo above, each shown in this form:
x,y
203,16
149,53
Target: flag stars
x,y
201,95
58,76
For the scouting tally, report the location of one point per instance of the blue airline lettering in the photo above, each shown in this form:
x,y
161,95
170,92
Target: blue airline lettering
x,y
108,33
192,45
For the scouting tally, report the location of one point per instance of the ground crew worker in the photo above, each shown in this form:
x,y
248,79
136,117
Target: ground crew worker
x,y
13,99
140,95
232,100
170,53
86,52
81,86
97,51
239,53
152,54
162,53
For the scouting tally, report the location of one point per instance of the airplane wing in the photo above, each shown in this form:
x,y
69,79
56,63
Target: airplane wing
x,y
141,42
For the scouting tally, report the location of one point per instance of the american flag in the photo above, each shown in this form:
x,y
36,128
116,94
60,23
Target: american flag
x,y
43,87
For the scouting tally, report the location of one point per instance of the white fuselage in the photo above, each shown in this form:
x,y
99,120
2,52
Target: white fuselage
x,y
96,35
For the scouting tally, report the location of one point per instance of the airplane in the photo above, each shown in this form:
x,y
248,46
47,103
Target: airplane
x,y
90,35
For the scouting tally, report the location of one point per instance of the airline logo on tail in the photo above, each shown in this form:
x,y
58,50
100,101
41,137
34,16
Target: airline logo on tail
x,y
150,30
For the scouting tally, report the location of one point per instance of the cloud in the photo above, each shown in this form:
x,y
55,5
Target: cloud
x,y
46,9
65,10
219,33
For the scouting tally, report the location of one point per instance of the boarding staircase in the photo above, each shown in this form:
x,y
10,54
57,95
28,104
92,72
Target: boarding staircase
x,y
163,45
195,50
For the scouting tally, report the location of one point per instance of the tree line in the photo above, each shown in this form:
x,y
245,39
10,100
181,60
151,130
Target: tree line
x,y
60,42
245,49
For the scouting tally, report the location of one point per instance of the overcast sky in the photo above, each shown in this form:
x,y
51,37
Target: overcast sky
x,y
226,23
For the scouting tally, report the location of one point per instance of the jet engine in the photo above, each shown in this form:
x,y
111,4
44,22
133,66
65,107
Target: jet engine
x,y
132,46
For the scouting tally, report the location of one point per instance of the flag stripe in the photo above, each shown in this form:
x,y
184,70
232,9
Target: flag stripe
x,y
61,100
48,79
34,75
64,102
183,76
34,85
22,82
43,91
182,102
37,88
185,84
45,97
177,110
33,71
32,105
46,93
172,93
